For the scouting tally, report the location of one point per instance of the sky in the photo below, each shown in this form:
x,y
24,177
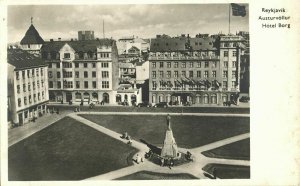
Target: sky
x,y
144,21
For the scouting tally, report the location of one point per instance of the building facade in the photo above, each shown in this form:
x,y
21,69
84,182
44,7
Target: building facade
x,y
83,70
200,70
27,86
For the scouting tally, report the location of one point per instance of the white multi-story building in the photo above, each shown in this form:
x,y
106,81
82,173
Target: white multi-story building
x,y
27,86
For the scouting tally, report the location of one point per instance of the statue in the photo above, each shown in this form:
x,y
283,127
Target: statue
x,y
169,149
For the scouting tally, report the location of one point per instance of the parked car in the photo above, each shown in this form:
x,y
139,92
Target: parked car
x,y
245,99
143,104
161,105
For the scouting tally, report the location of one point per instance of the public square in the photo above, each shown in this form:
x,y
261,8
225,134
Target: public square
x,y
87,145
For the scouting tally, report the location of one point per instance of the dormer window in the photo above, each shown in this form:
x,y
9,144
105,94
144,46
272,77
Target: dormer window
x,y
67,55
28,45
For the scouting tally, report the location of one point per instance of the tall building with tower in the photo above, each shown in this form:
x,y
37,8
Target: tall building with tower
x,y
86,35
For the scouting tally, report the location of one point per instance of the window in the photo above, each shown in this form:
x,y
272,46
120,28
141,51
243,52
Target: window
x,y
33,85
183,74
67,55
28,45
42,72
29,86
226,44
225,74
25,100
23,74
154,84
225,53
233,53
206,64
19,102
191,74
85,74
34,97
67,65
198,64
85,65
205,74
76,65
94,65
58,74
183,65
50,65
24,88
199,74
191,64
104,65
161,64
43,95
28,73
153,74
234,44
233,64
175,74
233,84
214,64
77,84
57,65
67,74
169,65
29,99
86,84
68,84
105,74
226,64
168,74
38,84
105,84
39,96
58,84
214,74
161,74
176,65
42,83
17,76
50,74
37,72
76,74
18,88
94,84
50,84
233,74
153,64
94,74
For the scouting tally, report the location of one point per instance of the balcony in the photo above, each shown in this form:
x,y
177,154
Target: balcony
x,y
184,58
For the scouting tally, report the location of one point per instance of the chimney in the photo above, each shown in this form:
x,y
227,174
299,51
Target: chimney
x,y
51,40
71,39
59,39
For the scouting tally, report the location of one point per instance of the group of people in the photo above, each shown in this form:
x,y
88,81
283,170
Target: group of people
x,y
188,156
167,162
53,110
77,109
138,159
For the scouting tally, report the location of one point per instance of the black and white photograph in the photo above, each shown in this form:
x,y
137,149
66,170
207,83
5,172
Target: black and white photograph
x,y
128,92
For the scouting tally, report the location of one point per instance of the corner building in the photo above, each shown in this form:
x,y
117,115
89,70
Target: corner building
x,y
200,70
85,70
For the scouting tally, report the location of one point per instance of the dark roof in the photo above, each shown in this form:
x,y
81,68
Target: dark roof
x,y
32,37
23,60
78,46
179,44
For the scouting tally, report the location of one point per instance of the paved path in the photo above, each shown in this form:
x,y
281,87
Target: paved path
x,y
194,168
165,113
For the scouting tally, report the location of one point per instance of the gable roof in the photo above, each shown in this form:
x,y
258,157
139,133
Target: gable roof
x,y
78,46
32,37
23,60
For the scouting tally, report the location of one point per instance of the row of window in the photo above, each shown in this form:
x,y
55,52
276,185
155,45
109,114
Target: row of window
x,y
191,74
28,87
177,85
30,73
226,53
69,84
191,64
104,74
29,100
77,65
79,55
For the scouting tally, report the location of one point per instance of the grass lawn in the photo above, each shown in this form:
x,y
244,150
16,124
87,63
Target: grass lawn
x,y
189,131
147,175
66,150
239,150
229,171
